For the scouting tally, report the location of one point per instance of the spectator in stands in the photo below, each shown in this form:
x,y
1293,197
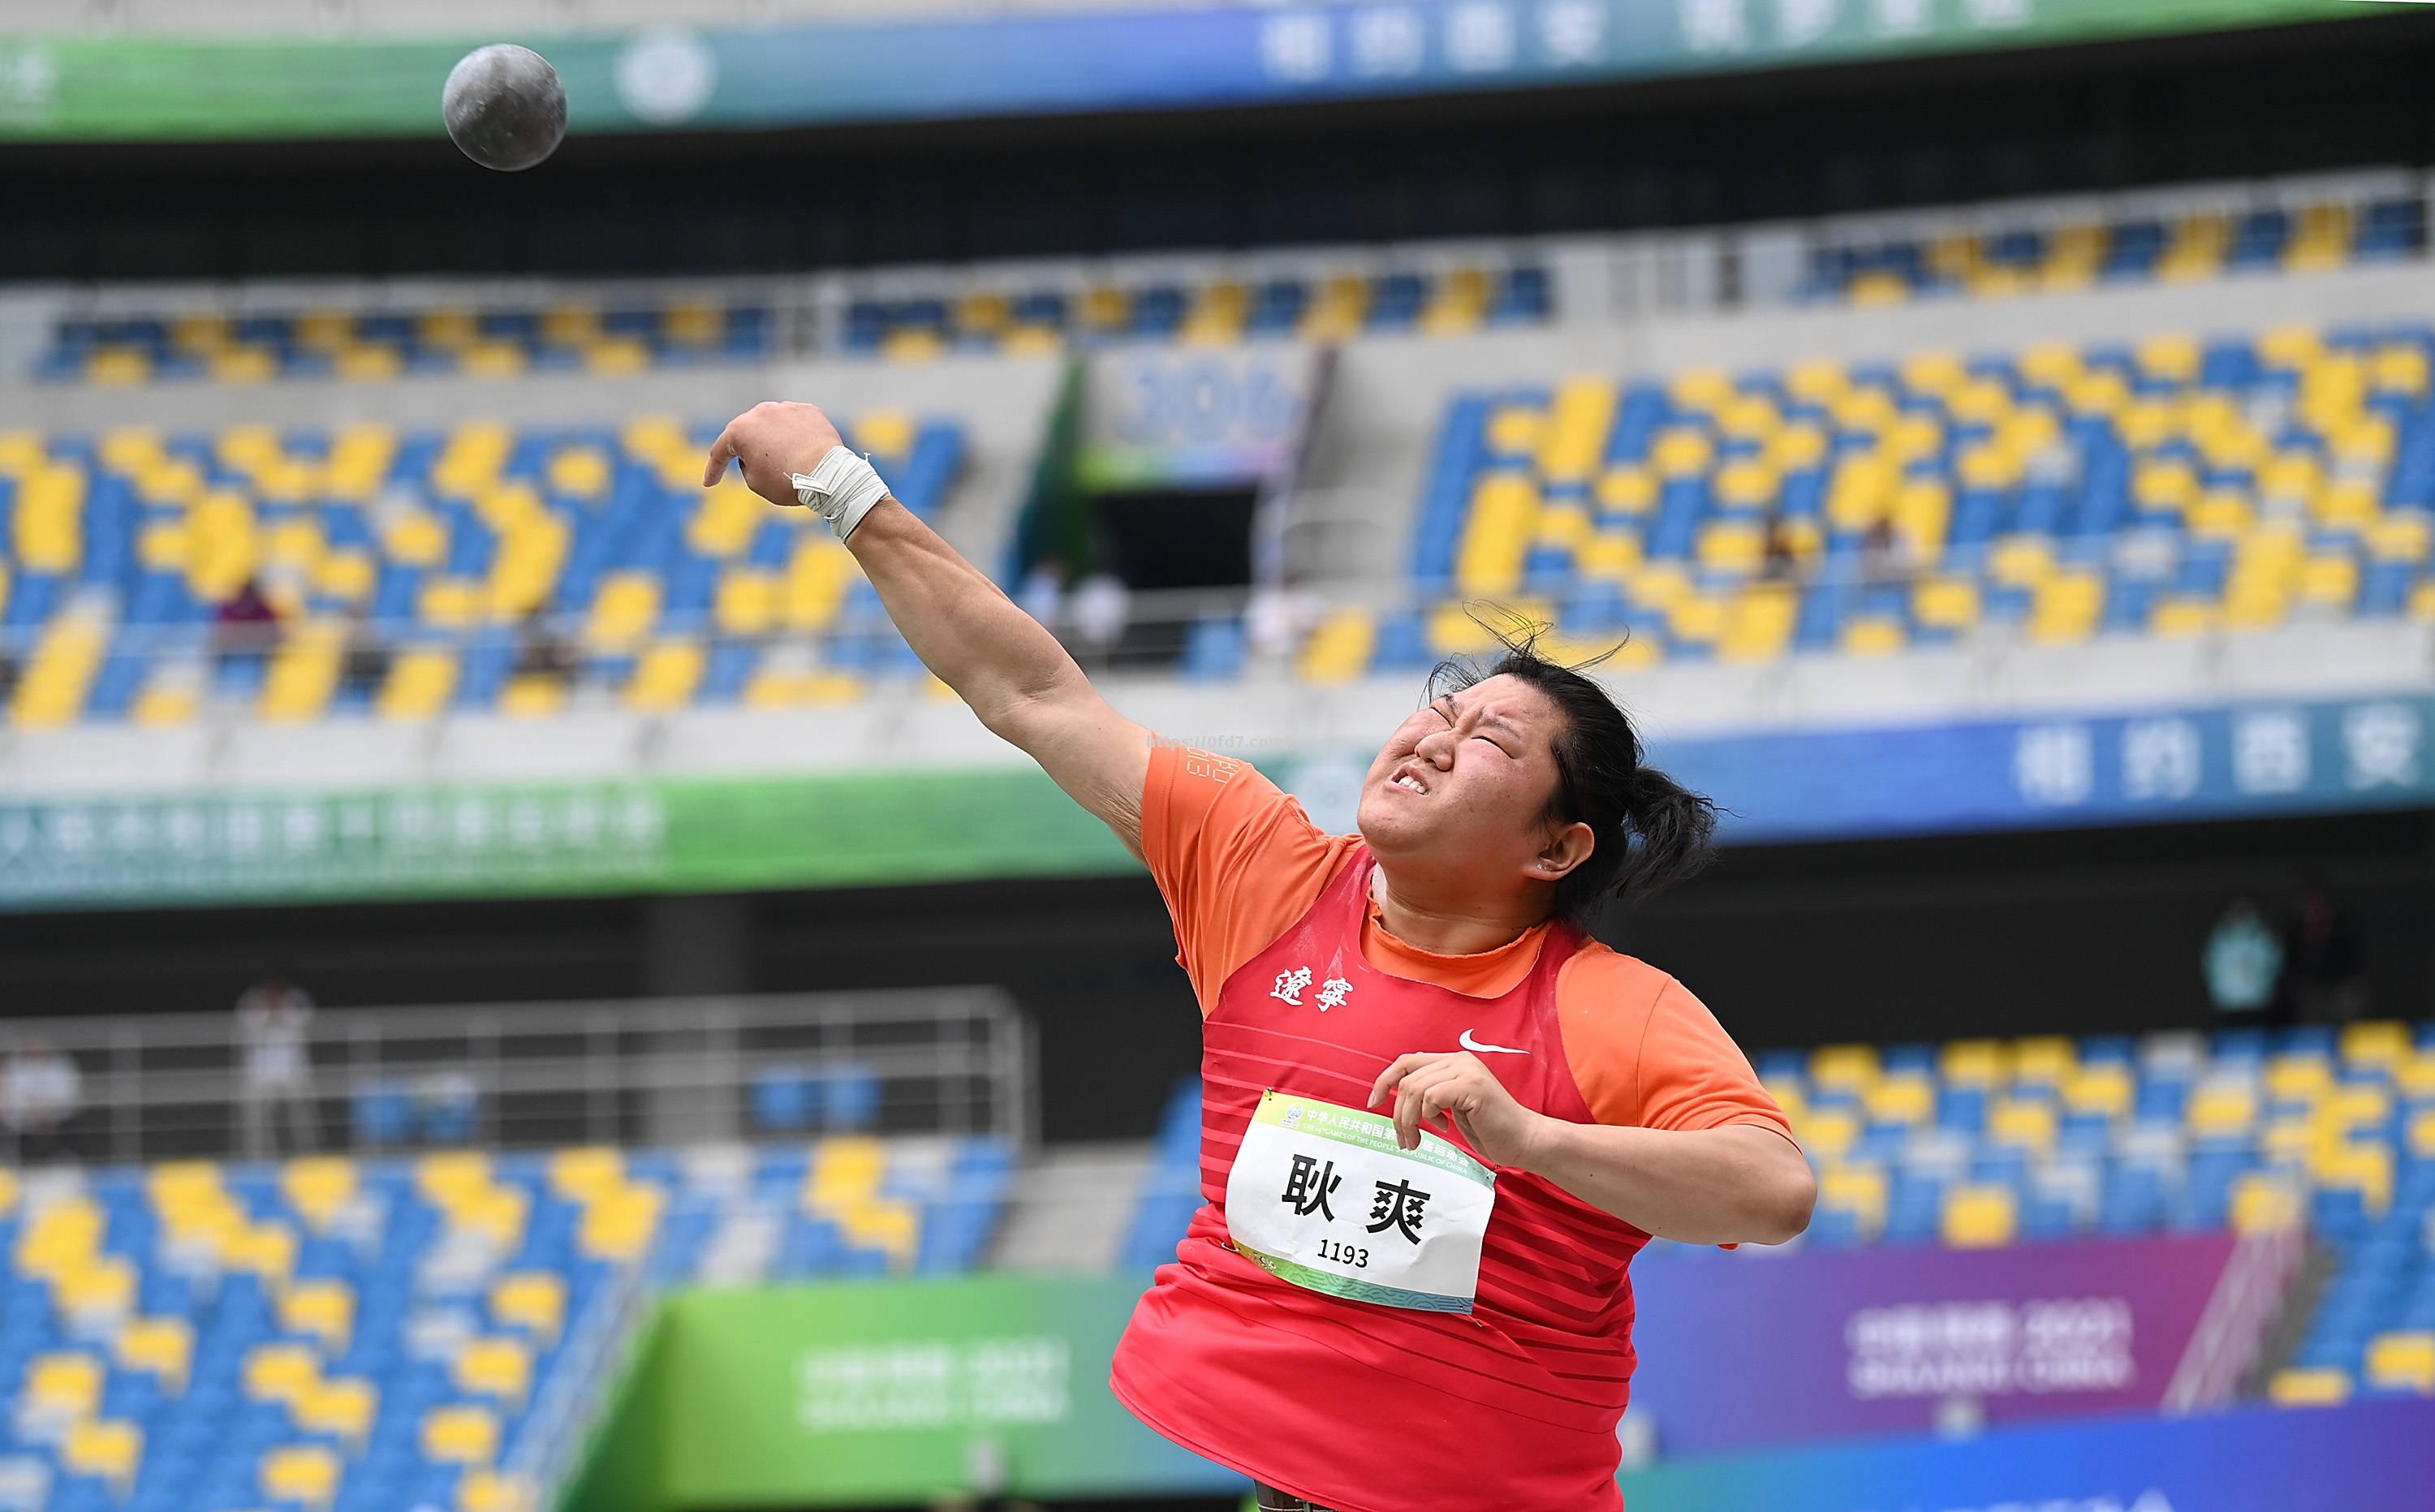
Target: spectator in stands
x,y
276,1072
1884,556
41,1097
2243,965
365,662
246,624
1043,594
1102,610
2326,983
1435,967
540,651
1780,561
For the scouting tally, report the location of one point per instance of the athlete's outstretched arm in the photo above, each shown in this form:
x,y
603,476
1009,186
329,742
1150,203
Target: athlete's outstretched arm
x,y
980,643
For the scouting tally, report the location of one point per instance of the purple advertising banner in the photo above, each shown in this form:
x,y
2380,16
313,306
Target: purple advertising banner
x,y
1768,1347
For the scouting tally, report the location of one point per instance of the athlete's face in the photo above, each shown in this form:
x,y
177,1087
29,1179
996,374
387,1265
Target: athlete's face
x,y
1466,781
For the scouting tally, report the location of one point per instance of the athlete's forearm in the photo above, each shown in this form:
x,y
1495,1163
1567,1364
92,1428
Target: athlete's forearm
x,y
980,643
1736,1184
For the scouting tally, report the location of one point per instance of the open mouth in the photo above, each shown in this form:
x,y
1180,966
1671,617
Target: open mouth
x,y
1410,780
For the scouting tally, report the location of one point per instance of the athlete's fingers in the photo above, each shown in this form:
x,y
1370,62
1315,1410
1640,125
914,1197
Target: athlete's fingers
x,y
722,452
1396,1073
1412,1101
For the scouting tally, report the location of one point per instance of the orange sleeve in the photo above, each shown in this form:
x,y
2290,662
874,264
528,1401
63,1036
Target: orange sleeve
x,y
1235,858
1645,1053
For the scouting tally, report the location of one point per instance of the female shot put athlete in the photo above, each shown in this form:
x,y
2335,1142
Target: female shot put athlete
x,y
1431,1311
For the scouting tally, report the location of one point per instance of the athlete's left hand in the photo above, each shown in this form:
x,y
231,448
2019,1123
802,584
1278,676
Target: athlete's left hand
x,y
1454,1086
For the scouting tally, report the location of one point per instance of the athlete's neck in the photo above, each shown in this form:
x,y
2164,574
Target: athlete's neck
x,y
1447,922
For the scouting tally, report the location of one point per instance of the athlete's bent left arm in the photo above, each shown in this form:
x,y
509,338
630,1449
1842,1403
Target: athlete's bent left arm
x,y
1735,1183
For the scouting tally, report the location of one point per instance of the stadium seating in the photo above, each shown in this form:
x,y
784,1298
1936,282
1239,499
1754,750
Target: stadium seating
x,y
2174,486
491,343
2078,254
1987,1142
345,1334
1214,311
491,569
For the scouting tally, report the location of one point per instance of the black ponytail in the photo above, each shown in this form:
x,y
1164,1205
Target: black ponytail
x,y
1651,832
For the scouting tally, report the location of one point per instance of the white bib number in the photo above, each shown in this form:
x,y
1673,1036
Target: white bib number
x,y
1321,1196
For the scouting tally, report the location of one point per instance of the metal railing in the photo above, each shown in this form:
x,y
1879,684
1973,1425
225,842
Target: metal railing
x,y
952,1060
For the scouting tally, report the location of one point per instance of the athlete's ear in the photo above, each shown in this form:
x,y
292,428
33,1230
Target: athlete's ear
x,y
1566,849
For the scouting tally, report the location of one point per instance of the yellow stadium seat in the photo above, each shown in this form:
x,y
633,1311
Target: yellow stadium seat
x,y
1979,1217
2322,1387
497,1213
324,1308
613,356
1759,622
619,1226
301,1472
886,433
623,611
586,1171
276,1372
2263,1203
1735,547
490,359
1843,1066
267,1250
570,324
2219,1109
448,1178
108,1448
1876,289
65,1385
912,344
2296,1077
1827,1133
1681,452
1946,603
1907,1097
2046,1059
1857,1188
1627,489
460,1435
115,366
2107,1088
418,685
2380,1044
52,690
483,1491
665,677
583,471
319,1186
1573,439
532,696
346,1407
1972,1062
2403,1359
493,1368
535,1300
2026,1122
102,1290
1340,648
164,1347
2363,1168
844,1170
1864,636
691,322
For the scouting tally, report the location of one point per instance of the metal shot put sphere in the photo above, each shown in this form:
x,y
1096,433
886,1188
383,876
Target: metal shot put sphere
x,y
504,106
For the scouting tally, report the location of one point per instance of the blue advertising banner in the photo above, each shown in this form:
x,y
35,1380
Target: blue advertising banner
x,y
1860,1342
2054,771
2370,1456
156,85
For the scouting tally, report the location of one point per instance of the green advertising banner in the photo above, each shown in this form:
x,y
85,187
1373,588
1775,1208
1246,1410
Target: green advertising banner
x,y
157,87
882,1392
696,835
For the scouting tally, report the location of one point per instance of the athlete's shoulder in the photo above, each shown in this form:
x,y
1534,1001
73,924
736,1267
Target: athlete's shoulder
x,y
1600,981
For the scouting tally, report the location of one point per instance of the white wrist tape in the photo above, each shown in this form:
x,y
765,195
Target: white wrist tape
x,y
840,489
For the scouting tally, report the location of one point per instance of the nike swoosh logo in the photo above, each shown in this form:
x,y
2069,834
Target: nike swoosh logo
x,y
1478,1047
